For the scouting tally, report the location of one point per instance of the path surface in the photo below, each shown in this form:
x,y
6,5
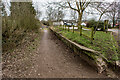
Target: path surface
x,y
55,60
76,28
114,30
116,34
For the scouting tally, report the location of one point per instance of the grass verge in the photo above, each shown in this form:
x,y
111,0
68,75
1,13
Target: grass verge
x,y
103,42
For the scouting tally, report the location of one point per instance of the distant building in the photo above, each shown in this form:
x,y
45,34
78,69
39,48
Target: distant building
x,y
65,22
58,23
83,24
69,22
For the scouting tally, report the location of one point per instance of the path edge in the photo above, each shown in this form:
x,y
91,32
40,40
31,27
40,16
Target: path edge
x,y
100,64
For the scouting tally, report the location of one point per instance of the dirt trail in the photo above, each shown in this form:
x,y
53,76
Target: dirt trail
x,y
55,60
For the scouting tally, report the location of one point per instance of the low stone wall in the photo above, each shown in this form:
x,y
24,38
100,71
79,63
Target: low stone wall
x,y
94,58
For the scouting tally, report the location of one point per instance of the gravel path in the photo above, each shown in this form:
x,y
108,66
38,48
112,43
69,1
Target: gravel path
x,y
55,60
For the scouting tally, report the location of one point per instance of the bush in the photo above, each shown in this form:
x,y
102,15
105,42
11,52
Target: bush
x,y
45,23
18,24
93,23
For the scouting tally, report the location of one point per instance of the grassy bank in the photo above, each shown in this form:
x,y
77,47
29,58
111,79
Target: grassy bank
x,y
103,42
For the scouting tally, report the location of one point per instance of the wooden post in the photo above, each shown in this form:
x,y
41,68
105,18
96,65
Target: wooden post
x,y
68,29
92,32
73,28
80,30
65,27
106,25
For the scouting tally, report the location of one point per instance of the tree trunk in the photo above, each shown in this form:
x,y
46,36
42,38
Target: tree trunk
x,y
79,23
113,20
98,23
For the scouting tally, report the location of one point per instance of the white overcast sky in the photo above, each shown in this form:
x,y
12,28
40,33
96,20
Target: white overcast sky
x,y
40,5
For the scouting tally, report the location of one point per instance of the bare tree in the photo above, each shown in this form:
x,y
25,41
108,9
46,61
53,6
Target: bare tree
x,y
113,12
59,14
76,5
74,15
102,8
38,13
79,6
50,15
54,12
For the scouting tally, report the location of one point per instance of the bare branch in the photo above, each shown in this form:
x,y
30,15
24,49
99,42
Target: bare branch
x,y
71,6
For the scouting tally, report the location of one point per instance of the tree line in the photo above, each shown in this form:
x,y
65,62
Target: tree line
x,y
79,9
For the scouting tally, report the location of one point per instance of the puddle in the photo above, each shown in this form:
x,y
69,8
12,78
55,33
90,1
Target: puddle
x,y
45,30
